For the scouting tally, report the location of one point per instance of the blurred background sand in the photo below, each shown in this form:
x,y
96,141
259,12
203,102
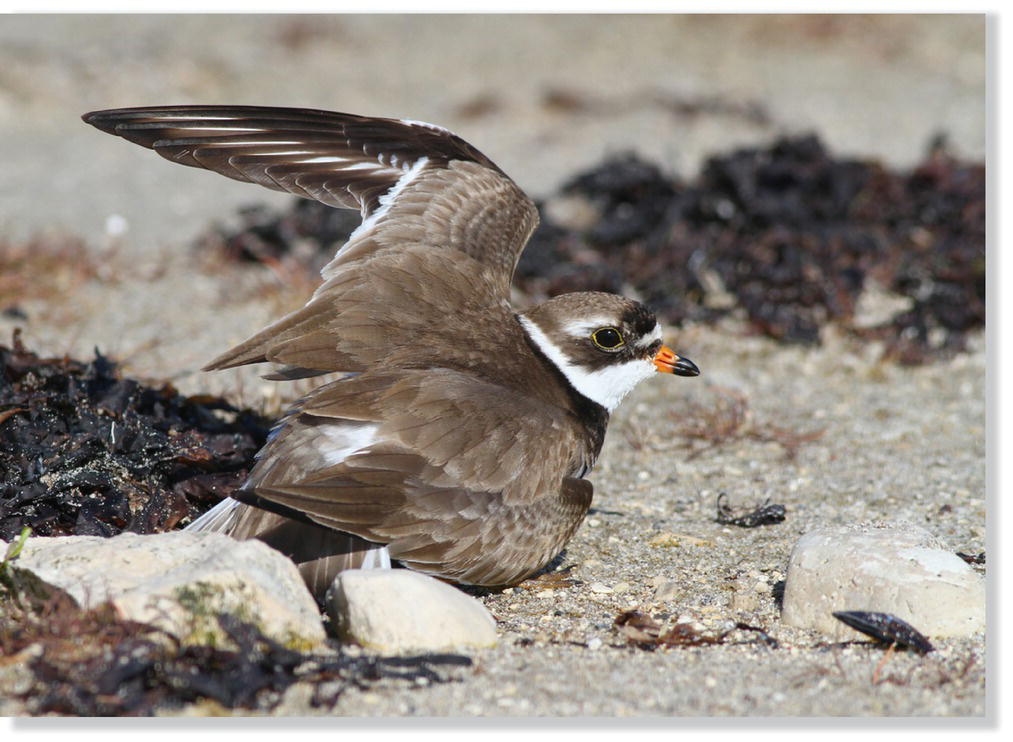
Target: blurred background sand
x,y
543,96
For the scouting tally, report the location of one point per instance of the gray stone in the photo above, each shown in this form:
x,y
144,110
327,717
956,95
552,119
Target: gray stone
x,y
179,582
899,569
396,610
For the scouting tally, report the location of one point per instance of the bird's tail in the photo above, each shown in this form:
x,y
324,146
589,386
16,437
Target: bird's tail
x,y
320,553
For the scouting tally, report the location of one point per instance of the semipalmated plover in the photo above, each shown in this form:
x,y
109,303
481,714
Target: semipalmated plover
x,y
459,436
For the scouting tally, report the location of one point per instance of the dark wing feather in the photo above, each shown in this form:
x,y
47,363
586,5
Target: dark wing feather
x,y
277,147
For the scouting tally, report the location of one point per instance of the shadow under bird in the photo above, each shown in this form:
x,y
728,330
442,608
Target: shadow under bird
x,y
459,436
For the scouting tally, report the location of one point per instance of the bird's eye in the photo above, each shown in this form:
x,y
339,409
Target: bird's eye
x,y
607,338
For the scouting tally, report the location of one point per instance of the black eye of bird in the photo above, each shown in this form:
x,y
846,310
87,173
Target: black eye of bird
x,y
607,338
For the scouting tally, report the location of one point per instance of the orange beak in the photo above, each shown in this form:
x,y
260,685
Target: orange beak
x,y
666,361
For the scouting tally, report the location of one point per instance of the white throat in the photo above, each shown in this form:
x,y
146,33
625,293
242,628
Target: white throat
x,y
606,386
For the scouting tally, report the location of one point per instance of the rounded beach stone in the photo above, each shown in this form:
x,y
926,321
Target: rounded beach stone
x,y
899,569
396,610
181,581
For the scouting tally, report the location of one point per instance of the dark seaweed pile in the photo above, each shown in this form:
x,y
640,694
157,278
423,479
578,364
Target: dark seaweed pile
x,y
84,451
787,235
93,663
308,232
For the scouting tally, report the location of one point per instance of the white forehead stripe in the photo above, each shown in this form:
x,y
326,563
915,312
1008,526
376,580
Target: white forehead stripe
x,y
650,338
607,386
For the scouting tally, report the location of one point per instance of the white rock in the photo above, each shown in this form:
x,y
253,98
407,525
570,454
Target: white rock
x,y
899,569
396,610
179,581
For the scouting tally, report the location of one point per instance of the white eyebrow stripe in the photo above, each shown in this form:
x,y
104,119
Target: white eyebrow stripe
x,y
587,326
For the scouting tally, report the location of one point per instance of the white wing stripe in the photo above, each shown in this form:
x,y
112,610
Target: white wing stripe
x,y
386,201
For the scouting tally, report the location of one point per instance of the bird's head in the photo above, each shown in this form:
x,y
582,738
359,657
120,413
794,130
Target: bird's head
x,y
602,343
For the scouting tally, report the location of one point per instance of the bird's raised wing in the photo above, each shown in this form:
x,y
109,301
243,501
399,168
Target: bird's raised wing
x,y
414,183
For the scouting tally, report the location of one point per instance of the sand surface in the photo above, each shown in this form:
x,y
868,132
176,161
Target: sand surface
x,y
546,97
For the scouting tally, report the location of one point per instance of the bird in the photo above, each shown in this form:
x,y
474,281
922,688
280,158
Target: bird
x,y
456,433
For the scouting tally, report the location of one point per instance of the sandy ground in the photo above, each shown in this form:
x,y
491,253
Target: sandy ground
x,y
546,97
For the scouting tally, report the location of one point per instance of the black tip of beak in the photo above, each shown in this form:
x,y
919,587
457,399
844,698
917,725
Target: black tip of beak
x,y
685,367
